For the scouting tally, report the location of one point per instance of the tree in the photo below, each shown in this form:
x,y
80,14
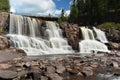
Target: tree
x,y
4,6
63,16
74,14
94,11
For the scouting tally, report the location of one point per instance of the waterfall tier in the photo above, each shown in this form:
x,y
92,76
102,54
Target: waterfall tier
x,y
35,39
100,35
90,44
87,33
25,34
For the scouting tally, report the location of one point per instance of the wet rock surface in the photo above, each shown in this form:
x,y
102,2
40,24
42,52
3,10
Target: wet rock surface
x,y
14,65
3,42
3,21
71,32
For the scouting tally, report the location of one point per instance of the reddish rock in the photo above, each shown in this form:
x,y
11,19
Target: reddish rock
x,y
5,66
55,77
7,74
87,71
3,42
3,20
72,33
50,69
114,64
44,78
60,69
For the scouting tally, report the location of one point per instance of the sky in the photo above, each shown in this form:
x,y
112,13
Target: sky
x,y
40,7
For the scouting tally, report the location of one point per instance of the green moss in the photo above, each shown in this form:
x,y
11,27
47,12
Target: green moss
x,y
108,25
111,27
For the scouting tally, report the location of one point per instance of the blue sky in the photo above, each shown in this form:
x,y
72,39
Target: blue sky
x,y
40,7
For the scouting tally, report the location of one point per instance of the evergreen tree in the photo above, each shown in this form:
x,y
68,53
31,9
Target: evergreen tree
x,y
93,11
4,6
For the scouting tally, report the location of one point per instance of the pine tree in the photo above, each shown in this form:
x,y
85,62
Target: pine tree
x,y
4,6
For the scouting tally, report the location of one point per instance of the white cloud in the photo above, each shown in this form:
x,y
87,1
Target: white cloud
x,y
68,12
71,2
12,10
38,7
58,12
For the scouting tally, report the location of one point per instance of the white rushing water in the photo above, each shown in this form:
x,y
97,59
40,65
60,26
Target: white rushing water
x,y
25,34
100,35
89,44
87,33
92,46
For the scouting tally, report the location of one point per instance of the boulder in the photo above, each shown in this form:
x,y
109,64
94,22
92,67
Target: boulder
x,y
7,74
87,71
114,46
71,31
114,64
3,21
55,77
3,42
44,78
60,69
5,66
50,69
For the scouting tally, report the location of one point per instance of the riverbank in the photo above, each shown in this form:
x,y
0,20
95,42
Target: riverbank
x,y
14,65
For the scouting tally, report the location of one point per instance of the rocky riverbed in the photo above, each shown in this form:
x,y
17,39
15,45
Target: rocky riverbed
x,y
15,65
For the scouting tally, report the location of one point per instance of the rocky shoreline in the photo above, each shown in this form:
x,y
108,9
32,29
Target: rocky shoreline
x,y
14,65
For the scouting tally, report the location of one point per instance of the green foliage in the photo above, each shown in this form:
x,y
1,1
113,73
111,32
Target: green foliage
x,y
111,26
63,17
108,25
93,11
4,6
74,14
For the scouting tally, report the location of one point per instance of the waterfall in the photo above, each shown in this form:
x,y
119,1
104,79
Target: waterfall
x,y
55,37
89,44
100,35
87,33
24,33
35,39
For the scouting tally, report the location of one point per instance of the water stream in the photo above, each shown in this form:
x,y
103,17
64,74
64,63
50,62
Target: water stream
x,y
89,44
28,34
25,34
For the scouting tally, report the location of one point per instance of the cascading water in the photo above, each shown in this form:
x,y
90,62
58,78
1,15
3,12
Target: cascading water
x,y
100,35
87,33
25,34
58,43
89,44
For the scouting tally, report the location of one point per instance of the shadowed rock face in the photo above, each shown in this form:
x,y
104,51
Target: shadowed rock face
x,y
3,42
3,20
71,31
112,34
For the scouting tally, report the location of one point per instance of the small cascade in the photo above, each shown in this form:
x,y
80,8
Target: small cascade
x,y
89,44
87,33
56,38
25,34
22,25
100,35
92,46
31,45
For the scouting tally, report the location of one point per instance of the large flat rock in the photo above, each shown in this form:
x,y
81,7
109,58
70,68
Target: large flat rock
x,y
9,55
7,74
